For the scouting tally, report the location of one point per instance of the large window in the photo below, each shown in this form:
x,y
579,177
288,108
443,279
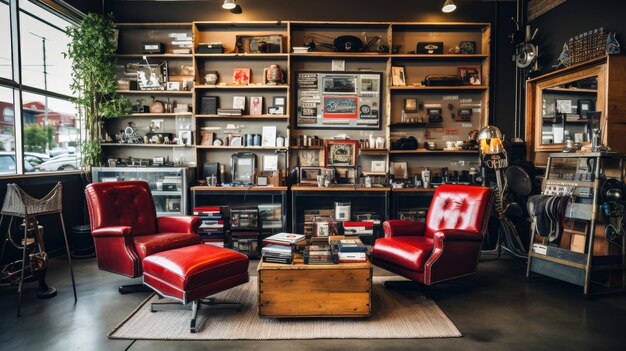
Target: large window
x,y
8,164
39,127
43,41
6,67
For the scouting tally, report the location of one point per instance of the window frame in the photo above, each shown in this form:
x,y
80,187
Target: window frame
x,y
16,83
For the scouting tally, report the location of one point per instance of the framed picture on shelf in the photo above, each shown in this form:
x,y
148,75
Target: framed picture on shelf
x,y
239,102
309,158
152,76
410,105
308,175
256,105
279,101
341,152
269,136
470,75
270,163
236,140
379,166
398,78
399,170
185,137
278,110
241,76
207,138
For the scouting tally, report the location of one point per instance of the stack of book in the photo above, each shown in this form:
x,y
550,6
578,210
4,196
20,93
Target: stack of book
x,y
319,254
277,254
181,43
351,251
229,111
212,227
279,248
358,228
300,49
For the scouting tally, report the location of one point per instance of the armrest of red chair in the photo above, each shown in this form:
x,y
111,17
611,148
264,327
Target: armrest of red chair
x,y
122,231
179,224
458,235
395,227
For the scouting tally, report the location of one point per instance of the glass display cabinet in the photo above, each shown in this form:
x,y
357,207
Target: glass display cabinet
x,y
169,185
566,105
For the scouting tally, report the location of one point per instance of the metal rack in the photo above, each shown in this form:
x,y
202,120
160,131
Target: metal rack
x,y
582,268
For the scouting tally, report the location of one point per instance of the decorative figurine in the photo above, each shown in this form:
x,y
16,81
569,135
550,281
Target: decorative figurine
x,y
273,75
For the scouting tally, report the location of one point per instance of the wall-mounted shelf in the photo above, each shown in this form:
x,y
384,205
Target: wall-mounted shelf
x,y
156,92
211,147
455,87
244,117
146,114
146,145
250,86
432,152
140,56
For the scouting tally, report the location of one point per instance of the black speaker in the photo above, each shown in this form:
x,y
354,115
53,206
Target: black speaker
x,y
208,105
348,43
211,168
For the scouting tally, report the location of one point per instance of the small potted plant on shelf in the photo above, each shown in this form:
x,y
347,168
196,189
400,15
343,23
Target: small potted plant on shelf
x,y
92,50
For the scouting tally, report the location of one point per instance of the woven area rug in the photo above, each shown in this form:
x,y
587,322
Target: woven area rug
x,y
397,314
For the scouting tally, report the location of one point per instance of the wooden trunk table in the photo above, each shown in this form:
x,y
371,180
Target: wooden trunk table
x,y
300,290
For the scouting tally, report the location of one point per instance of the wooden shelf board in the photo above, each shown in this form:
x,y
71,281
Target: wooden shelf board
x,y
251,86
341,54
240,188
318,147
242,55
211,147
441,56
433,152
244,117
166,55
156,92
300,187
187,114
152,25
453,87
572,90
408,125
145,145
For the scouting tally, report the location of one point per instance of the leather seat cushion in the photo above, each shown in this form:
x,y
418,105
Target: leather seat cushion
x,y
409,252
147,245
190,267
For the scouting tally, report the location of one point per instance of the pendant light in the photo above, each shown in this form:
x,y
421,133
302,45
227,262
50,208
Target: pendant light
x,y
229,4
448,6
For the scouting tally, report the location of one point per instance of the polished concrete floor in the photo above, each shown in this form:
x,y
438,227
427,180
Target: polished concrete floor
x,y
497,309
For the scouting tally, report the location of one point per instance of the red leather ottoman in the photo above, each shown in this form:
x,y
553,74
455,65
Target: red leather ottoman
x,y
191,273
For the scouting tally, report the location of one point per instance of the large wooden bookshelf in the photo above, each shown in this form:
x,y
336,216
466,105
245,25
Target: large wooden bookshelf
x,y
294,33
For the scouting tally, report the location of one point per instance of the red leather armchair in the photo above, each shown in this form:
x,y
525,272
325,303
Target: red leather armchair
x,y
446,246
126,229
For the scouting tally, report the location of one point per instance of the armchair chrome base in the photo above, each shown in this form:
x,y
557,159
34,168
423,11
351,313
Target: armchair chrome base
x,y
133,288
194,307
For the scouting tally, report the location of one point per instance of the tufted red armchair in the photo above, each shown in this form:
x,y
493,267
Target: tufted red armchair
x,y
126,229
446,246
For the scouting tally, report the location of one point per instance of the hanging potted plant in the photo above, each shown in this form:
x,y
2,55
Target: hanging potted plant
x,y
92,50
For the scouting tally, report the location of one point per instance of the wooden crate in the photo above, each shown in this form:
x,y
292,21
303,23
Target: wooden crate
x,y
299,290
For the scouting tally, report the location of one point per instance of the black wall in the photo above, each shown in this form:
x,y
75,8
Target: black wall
x,y
574,17
498,13
73,209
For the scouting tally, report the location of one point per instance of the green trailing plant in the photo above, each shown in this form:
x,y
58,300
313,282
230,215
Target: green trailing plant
x,y
92,50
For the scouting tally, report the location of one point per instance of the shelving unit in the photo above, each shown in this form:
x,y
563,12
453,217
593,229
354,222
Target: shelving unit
x,y
296,33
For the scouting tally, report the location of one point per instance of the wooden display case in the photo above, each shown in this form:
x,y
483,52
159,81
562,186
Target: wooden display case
x,y
601,80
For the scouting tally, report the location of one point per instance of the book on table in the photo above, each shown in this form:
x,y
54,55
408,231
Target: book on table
x,y
286,239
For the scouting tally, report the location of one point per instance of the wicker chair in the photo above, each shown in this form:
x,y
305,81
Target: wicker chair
x,y
17,203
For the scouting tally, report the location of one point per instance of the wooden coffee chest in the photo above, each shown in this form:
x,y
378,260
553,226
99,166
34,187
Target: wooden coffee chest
x,y
299,290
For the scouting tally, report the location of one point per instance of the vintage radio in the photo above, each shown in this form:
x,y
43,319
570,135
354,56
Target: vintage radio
x,y
434,115
430,48
210,48
152,47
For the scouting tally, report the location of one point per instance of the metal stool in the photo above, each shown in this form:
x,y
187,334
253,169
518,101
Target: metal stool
x,y
17,203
